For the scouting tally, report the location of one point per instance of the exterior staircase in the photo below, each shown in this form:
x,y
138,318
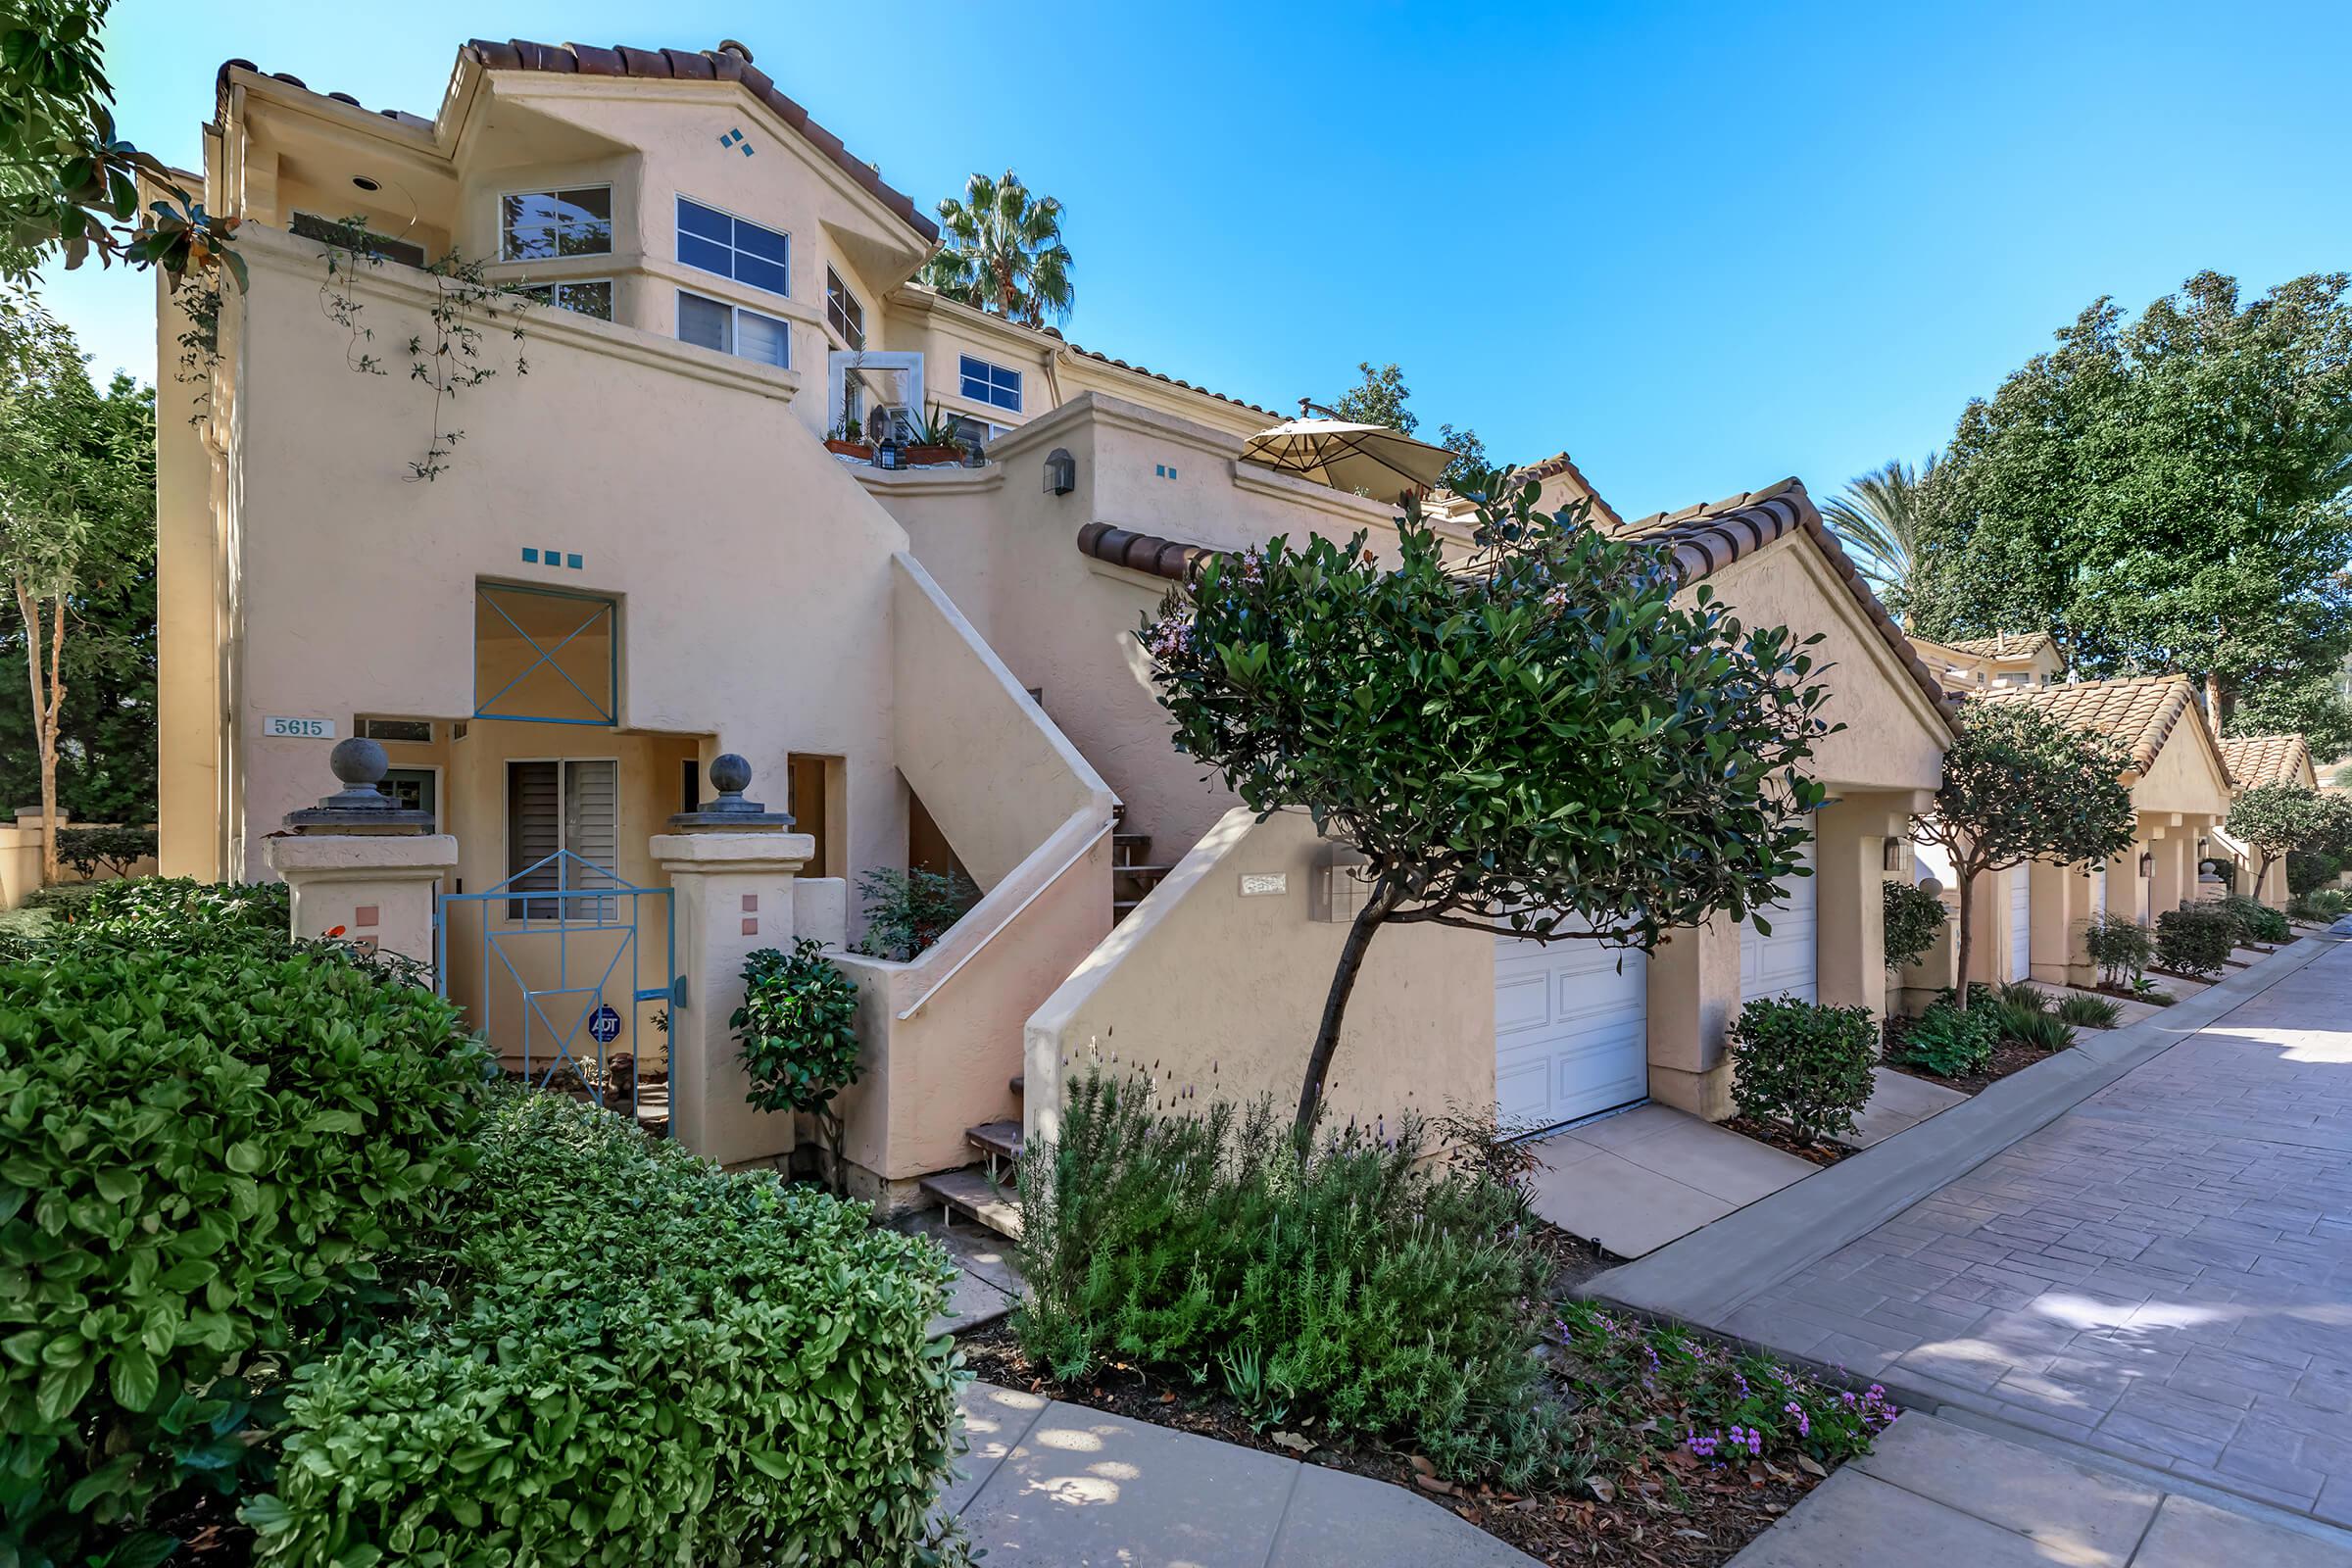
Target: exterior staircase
x,y
1131,875
984,1192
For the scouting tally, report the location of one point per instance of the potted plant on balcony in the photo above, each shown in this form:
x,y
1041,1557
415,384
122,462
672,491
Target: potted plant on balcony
x,y
848,438
933,438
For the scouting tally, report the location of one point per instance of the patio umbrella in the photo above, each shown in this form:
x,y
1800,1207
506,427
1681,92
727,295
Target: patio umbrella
x,y
1370,459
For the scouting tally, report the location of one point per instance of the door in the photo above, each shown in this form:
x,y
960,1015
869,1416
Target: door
x,y
1782,965
2021,921
1571,1030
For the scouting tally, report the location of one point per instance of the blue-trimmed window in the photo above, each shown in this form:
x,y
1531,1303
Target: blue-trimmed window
x,y
991,385
734,247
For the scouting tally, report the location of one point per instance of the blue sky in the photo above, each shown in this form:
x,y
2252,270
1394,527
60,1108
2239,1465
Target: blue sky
x,y
1699,246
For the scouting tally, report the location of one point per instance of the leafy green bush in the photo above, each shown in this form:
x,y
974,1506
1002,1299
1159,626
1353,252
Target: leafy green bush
x,y
799,1028
2308,871
1952,1044
2120,946
908,911
2022,996
2045,1031
65,900
1362,1287
2322,904
113,850
637,1357
2089,1013
2257,922
1914,918
1803,1064
183,910
210,1153
2196,940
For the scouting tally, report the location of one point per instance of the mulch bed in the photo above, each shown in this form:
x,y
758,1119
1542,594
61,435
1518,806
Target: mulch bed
x,y
1764,1132
1574,1259
2008,1056
2192,979
2158,999
1669,1510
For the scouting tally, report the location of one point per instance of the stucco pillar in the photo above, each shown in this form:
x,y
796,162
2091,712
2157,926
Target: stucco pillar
x,y
2175,879
2272,890
732,867
359,868
1989,921
1694,995
2061,903
1849,841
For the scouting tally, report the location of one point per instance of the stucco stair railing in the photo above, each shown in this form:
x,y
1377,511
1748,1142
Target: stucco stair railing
x,y
1032,821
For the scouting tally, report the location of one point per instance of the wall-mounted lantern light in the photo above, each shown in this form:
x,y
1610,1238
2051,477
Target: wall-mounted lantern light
x,y
886,456
2147,863
1062,472
1894,856
1341,884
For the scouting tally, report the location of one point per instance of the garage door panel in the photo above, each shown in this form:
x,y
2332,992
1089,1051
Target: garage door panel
x,y
1785,963
1571,1025
2021,923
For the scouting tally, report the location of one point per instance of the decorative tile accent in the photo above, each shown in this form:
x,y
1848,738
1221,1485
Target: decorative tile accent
x,y
735,138
751,903
750,925
530,556
574,561
365,915
554,557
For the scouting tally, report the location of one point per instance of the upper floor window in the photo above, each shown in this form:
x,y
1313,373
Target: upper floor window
x,y
589,296
537,225
994,384
732,329
718,242
843,311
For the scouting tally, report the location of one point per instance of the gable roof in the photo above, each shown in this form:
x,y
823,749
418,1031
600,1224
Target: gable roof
x,y
729,62
2139,710
1560,463
1704,539
2266,760
2004,645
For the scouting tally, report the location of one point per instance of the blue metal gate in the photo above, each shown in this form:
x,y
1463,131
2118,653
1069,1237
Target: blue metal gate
x,y
569,974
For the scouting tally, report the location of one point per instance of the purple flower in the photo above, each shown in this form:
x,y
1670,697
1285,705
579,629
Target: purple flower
x,y
1804,1423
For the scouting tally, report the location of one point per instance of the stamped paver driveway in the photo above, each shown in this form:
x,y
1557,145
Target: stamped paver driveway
x,y
2164,1273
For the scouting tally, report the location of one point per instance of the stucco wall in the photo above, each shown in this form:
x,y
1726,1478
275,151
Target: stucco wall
x,y
2187,775
1218,994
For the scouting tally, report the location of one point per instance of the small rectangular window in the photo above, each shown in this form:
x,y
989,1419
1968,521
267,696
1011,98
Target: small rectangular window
x,y
991,385
843,311
589,297
563,806
536,226
734,247
393,729
732,329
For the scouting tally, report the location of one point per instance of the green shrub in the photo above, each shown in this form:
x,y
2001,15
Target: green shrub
x,y
2323,905
113,849
2309,870
2089,1013
64,900
1914,918
799,1028
2045,1031
1802,1064
1364,1287
2196,940
2120,946
209,1155
2022,996
183,911
908,911
1952,1044
2257,922
637,1358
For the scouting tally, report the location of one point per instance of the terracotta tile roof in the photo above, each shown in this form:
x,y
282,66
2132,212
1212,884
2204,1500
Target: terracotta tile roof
x,y
2265,759
2004,645
2139,710
1137,370
1559,463
1704,540
729,62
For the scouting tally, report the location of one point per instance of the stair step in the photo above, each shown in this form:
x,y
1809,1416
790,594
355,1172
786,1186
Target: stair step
x,y
1130,848
969,1193
1001,1140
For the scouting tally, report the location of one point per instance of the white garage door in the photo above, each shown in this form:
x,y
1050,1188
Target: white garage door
x,y
2098,891
2021,921
1782,965
1571,1030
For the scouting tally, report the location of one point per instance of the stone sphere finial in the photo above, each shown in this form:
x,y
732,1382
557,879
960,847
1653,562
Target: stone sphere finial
x,y
730,812
730,774
359,762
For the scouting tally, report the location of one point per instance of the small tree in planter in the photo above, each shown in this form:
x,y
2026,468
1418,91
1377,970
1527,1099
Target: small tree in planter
x,y
799,1028
1536,741
2276,819
2020,786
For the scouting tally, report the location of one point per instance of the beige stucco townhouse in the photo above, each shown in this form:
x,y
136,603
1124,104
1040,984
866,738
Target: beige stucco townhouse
x,y
2256,760
644,555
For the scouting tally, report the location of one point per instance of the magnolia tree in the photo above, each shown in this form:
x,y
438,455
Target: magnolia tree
x,y
1536,740
2020,786
2272,819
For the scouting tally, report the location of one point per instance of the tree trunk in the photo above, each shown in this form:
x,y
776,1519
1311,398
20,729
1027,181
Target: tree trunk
x,y
2214,713
48,698
1967,895
1367,921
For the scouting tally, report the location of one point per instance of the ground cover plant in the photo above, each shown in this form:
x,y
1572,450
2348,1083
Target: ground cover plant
x,y
1950,1042
2257,922
1363,1289
1802,1066
2088,1011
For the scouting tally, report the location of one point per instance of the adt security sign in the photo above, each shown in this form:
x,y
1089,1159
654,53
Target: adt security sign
x,y
605,1024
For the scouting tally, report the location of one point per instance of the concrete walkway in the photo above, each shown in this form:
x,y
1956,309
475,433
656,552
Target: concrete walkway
x,y
2158,1280
1053,1484
1636,1179
1936,1492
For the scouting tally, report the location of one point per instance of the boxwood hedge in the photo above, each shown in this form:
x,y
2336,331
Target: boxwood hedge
x,y
208,1151
634,1357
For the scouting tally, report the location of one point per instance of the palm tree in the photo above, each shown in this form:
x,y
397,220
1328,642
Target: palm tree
x,y
1004,252
1878,522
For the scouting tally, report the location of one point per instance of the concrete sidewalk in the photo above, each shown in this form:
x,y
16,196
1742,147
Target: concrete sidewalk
x,y
1938,1492
1053,1484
